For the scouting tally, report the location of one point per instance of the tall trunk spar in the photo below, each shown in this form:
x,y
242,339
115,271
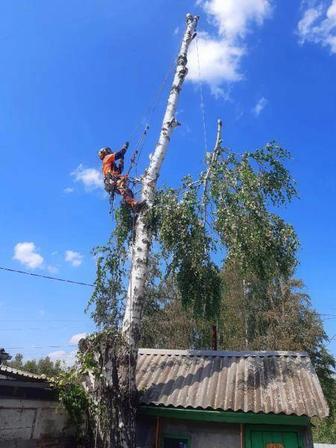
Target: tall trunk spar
x,y
112,384
143,237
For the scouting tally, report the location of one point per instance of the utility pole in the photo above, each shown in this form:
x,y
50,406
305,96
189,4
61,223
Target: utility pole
x,y
143,237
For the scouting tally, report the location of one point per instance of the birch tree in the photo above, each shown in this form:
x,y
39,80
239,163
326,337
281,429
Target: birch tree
x,y
109,359
143,238
227,210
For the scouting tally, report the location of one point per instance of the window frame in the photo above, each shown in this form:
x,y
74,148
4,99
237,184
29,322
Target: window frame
x,y
175,435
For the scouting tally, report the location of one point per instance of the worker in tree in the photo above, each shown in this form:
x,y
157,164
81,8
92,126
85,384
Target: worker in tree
x,y
115,182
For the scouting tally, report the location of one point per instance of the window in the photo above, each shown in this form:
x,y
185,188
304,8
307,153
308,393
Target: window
x,y
172,441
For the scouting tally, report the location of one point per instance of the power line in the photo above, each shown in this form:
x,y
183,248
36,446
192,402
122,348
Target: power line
x,y
50,327
32,328
47,277
41,320
29,347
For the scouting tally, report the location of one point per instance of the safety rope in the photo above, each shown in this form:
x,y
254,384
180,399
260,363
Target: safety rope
x,y
149,116
202,104
141,140
138,148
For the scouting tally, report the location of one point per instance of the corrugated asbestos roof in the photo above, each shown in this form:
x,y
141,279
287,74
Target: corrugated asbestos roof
x,y
20,374
267,382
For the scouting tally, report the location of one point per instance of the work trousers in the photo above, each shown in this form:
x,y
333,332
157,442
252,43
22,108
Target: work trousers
x,y
119,184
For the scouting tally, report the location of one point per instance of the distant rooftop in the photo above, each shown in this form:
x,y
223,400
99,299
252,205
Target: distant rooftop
x,y
21,374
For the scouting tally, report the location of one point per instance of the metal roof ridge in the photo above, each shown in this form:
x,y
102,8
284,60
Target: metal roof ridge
x,y
220,353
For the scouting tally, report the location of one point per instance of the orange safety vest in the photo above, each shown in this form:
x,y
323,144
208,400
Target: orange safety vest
x,y
108,165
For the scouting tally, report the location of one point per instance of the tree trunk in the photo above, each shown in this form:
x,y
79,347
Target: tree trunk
x,y
143,237
111,415
111,383
123,412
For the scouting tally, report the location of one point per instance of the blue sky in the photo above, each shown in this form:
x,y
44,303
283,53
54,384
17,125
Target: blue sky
x,y
75,76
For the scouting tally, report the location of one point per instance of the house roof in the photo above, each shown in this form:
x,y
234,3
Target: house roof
x,y
10,372
19,384
260,382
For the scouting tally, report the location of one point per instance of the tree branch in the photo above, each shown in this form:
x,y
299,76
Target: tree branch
x,y
215,153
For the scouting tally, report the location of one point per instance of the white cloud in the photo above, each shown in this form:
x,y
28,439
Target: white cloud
x,y
218,59
52,269
68,190
76,338
27,255
260,106
68,358
73,257
233,17
318,24
220,54
89,177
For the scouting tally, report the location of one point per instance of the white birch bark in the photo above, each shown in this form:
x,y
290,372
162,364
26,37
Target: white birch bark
x,y
143,237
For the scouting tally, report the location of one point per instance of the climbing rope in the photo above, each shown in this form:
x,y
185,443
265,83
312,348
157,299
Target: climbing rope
x,y
149,117
202,104
141,139
138,148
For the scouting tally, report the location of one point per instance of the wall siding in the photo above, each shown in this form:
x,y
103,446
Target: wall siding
x,y
205,434
33,423
201,434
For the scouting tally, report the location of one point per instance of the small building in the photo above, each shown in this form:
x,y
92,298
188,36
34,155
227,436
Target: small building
x,y
30,415
214,399
188,399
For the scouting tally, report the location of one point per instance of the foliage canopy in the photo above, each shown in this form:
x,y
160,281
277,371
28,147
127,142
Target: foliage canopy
x,y
226,214
42,366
